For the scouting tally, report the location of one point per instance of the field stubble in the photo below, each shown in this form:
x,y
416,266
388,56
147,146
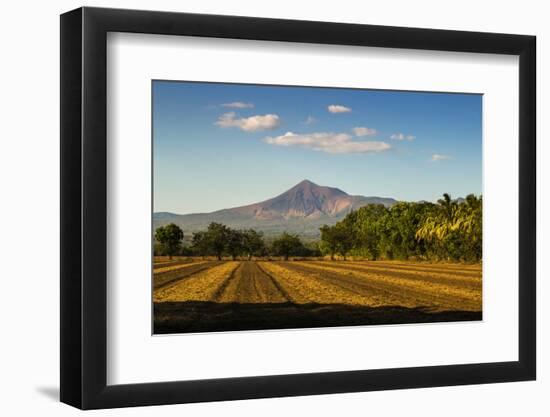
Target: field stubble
x,y
234,295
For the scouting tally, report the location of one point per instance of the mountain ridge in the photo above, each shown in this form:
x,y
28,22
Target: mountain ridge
x,y
301,209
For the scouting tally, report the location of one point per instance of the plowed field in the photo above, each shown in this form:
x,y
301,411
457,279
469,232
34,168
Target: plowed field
x,y
237,295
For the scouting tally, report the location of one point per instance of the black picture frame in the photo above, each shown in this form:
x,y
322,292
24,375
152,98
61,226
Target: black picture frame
x,y
84,207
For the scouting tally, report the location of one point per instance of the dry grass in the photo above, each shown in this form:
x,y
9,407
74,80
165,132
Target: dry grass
x,y
176,266
199,287
425,287
305,288
454,270
354,283
460,279
237,295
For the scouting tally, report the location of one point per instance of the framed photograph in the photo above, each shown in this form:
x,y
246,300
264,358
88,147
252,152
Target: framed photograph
x,y
256,208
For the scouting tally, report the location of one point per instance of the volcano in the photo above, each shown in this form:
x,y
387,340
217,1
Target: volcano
x,y
302,209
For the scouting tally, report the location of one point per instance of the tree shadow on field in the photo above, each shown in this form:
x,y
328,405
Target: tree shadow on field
x,y
194,316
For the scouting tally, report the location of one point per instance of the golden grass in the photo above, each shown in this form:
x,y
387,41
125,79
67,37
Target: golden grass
x,y
176,267
199,287
460,269
402,282
437,290
457,276
372,284
305,289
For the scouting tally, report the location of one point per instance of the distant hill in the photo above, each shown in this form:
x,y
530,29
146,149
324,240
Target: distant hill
x,y
302,210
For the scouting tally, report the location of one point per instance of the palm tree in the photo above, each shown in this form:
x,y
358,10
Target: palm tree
x,y
448,206
441,223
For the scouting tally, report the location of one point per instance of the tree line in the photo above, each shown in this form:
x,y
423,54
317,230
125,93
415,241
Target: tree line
x,y
448,230
220,240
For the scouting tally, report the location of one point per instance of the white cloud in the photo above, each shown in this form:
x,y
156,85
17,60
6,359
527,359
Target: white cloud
x,y
309,120
439,157
249,124
401,136
364,131
334,143
337,108
239,105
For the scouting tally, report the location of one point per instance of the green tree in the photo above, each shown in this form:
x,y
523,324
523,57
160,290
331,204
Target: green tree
x,y
371,224
253,243
441,222
329,240
234,243
468,222
199,244
216,238
170,237
311,249
402,223
338,239
450,229
287,245
453,229
212,241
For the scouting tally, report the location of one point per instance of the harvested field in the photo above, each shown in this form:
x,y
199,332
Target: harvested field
x,y
204,296
167,275
251,284
160,265
201,286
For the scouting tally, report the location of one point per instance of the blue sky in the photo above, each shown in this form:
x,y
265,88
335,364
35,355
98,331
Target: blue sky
x,y
224,145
